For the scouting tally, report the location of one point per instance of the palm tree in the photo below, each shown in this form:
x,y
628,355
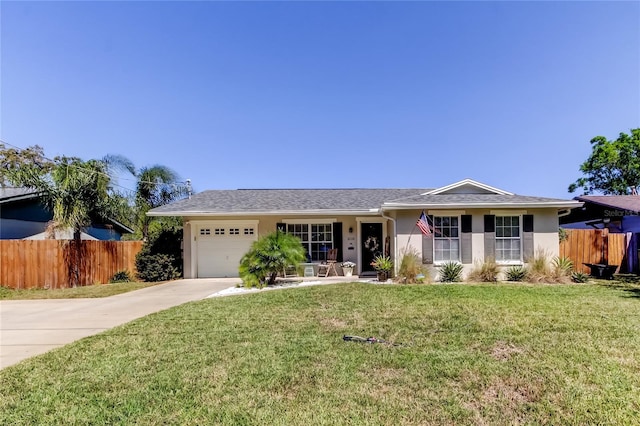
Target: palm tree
x,y
157,185
75,191
268,256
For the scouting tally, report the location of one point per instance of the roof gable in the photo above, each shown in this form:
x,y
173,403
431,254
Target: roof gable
x,y
467,186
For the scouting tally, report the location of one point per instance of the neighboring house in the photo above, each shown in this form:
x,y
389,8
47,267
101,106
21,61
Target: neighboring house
x,y
471,221
618,213
23,216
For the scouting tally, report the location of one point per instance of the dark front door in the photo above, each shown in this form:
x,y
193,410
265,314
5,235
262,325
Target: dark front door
x,y
372,244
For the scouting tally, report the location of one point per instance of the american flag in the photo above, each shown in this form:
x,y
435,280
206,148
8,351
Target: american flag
x,y
423,224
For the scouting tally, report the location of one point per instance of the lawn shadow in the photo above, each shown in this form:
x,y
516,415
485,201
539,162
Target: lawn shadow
x,y
630,284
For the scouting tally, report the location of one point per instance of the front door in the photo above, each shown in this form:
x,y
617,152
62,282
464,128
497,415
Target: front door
x,y
372,244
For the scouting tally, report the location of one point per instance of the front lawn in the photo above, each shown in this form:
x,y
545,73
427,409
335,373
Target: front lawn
x,y
90,291
470,354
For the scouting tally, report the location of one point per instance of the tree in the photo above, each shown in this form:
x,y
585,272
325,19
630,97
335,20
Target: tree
x,y
268,256
14,158
75,191
613,166
157,185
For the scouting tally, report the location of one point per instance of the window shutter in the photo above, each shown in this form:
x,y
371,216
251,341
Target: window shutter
x,y
527,223
489,236
282,227
427,250
427,244
527,237
466,254
337,239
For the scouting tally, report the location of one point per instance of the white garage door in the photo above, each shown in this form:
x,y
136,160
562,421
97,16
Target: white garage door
x,y
220,249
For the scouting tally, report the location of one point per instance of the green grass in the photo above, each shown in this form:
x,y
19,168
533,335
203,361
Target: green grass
x,y
91,291
472,354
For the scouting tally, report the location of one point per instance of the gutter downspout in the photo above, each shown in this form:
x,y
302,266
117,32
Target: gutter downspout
x,y
395,242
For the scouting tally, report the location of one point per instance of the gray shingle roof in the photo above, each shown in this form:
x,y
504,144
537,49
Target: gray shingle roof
x,y
621,202
471,199
353,200
267,200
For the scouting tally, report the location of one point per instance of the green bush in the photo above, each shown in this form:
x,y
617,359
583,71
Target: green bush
x,y
382,263
562,269
486,272
451,272
516,273
121,277
579,277
161,256
156,267
268,256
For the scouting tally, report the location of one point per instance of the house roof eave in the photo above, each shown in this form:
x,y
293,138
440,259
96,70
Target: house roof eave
x,y
183,213
550,204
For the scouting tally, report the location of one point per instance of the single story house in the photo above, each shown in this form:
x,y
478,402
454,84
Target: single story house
x,y
23,216
469,221
618,213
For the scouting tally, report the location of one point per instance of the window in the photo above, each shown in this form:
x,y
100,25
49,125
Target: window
x,y
205,231
446,239
218,231
234,231
317,239
508,239
248,231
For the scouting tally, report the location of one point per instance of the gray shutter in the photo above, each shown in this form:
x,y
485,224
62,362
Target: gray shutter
x,y
489,236
527,237
466,254
427,245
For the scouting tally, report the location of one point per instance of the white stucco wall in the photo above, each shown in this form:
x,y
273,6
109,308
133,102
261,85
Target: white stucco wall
x,y
545,227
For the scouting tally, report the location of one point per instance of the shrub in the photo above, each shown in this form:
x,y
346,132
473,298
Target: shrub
x,y
161,257
563,234
156,267
538,270
382,263
516,273
411,270
121,277
579,277
561,271
451,272
268,256
486,272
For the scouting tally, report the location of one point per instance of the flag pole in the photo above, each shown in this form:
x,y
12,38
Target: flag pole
x,y
409,240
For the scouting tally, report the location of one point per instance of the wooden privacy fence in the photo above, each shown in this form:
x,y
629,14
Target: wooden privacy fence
x,y
595,246
51,263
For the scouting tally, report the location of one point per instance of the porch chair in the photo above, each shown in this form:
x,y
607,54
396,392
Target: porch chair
x,y
290,271
330,265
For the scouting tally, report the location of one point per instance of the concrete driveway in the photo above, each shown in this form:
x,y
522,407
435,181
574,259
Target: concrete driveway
x,y
33,327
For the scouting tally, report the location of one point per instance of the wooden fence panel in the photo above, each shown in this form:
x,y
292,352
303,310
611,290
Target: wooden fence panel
x,y
594,246
617,250
46,263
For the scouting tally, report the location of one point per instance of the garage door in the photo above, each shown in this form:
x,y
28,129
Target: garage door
x,y
220,249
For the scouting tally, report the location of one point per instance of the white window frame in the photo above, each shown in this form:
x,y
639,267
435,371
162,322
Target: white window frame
x,y
309,242
519,238
440,238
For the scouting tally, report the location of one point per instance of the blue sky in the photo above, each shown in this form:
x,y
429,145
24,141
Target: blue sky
x,y
325,94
